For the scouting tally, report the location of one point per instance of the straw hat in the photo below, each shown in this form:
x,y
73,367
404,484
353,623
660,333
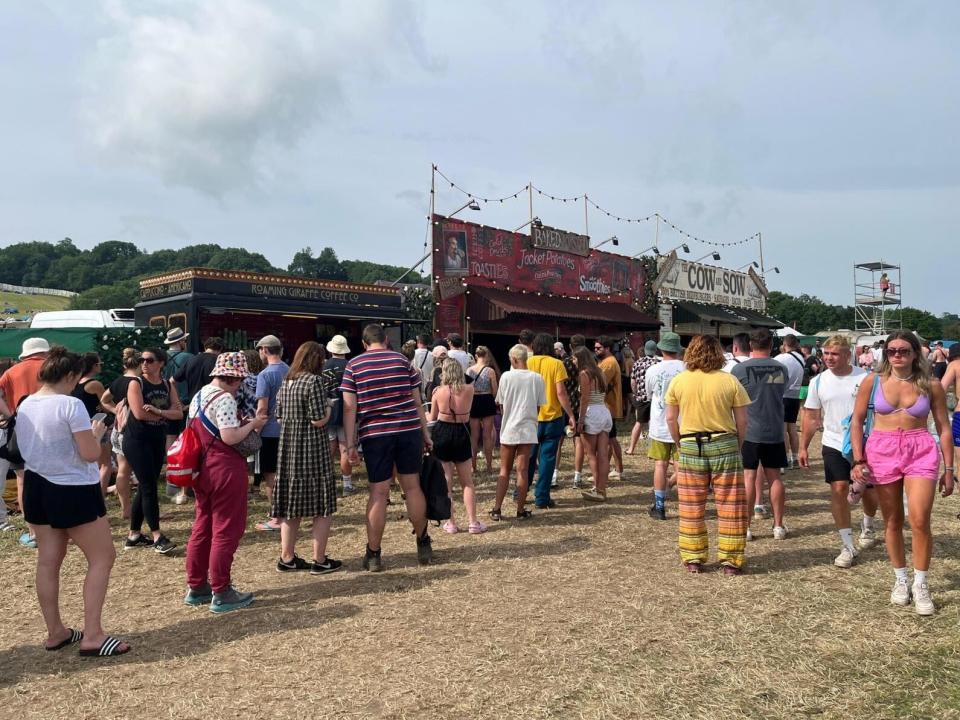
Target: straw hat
x,y
338,345
175,335
231,364
33,346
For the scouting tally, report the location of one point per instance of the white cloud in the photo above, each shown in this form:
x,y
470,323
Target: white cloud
x,y
202,94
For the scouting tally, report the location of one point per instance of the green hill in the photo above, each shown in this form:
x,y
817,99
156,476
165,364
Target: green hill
x,y
26,304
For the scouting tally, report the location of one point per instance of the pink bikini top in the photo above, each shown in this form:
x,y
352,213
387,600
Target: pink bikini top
x,y
920,409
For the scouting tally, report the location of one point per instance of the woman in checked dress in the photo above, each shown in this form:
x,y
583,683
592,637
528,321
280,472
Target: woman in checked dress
x,y
306,483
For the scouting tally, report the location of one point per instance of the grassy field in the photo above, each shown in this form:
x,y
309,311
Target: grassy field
x,y
582,612
27,303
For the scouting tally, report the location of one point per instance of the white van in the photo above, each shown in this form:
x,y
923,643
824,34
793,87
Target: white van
x,y
115,317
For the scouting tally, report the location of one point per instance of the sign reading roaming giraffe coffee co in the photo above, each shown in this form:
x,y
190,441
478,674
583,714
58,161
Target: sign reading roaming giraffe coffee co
x,y
550,238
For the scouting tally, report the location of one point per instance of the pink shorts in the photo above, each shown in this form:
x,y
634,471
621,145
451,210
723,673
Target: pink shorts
x,y
895,454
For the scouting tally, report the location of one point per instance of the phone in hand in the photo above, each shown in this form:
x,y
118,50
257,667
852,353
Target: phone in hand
x,y
99,417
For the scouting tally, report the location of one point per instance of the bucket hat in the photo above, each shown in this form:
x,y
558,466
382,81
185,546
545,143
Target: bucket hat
x,y
32,346
338,345
231,364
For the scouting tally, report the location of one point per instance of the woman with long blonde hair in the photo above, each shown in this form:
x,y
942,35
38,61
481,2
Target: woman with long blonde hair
x,y
485,374
450,411
900,456
594,422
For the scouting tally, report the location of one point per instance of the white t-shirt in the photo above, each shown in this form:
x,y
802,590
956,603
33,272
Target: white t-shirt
x,y
793,362
836,396
222,412
45,428
461,357
657,381
423,361
520,393
733,361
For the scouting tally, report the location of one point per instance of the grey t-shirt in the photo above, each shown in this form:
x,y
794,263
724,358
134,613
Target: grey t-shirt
x,y
764,380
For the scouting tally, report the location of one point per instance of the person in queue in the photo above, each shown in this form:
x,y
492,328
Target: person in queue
x,y
117,391
594,422
707,417
89,391
900,457
520,396
793,362
551,420
220,488
485,374
452,446
63,501
662,449
268,385
639,399
152,402
333,368
609,366
381,396
306,481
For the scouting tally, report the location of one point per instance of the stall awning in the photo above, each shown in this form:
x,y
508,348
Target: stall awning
x,y
495,304
724,314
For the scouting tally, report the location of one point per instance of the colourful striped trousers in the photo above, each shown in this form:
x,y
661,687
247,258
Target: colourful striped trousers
x,y
716,462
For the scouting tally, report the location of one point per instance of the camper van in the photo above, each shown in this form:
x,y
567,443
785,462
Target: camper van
x,y
115,317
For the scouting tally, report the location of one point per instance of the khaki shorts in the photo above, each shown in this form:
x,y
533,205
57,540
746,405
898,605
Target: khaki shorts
x,y
660,450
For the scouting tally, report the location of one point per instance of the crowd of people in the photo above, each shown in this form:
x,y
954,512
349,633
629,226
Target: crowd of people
x,y
730,424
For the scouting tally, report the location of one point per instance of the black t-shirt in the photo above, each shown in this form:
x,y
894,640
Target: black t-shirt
x,y
811,368
118,388
196,374
156,394
90,401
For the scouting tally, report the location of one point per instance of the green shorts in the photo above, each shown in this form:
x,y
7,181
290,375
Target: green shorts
x,y
660,450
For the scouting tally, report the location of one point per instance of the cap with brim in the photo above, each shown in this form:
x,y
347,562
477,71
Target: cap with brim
x,y
439,351
669,342
175,335
338,345
32,346
269,341
231,364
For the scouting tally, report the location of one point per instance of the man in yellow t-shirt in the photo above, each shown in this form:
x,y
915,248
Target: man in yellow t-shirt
x,y
707,417
551,419
613,399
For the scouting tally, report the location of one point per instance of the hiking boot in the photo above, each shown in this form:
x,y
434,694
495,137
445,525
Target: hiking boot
x,y
424,549
867,539
658,513
372,561
780,533
163,545
230,599
328,565
138,541
846,557
901,595
202,595
298,563
922,602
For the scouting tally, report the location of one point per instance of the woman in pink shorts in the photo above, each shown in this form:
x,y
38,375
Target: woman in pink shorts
x,y
902,456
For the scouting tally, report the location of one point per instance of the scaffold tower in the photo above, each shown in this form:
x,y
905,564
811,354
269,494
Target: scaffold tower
x,y
877,293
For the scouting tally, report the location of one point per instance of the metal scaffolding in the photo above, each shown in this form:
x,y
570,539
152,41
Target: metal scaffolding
x,y
877,293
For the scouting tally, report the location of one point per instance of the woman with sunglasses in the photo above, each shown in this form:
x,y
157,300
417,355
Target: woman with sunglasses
x,y
901,456
152,401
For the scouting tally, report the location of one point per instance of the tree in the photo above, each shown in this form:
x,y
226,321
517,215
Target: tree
x,y
240,259
328,265
303,263
103,297
365,271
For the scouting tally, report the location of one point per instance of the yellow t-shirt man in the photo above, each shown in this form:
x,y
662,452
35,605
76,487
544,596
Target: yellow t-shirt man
x,y
613,398
706,400
552,372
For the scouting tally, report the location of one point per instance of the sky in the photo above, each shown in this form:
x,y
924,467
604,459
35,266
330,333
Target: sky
x,y
830,128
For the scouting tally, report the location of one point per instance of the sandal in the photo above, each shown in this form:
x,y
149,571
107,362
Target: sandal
x,y
109,648
524,515
857,488
75,636
496,515
693,567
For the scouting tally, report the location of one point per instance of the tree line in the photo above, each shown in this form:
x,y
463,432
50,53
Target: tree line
x,y
108,275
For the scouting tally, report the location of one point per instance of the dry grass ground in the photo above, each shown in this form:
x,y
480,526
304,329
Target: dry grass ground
x,y
583,612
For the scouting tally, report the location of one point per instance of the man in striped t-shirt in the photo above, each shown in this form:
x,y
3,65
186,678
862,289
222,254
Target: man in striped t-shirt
x,y
382,389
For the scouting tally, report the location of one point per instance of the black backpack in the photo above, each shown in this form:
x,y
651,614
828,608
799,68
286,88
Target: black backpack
x,y
433,482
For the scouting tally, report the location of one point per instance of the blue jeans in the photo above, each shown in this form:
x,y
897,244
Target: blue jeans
x,y
549,434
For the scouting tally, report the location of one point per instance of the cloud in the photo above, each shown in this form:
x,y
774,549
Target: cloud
x,y
202,95
146,228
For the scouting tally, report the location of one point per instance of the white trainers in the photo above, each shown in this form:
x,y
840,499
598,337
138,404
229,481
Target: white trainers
x,y
749,535
780,533
900,595
846,557
614,475
867,539
922,602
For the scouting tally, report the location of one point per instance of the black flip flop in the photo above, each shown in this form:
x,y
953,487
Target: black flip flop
x,y
75,636
524,515
109,648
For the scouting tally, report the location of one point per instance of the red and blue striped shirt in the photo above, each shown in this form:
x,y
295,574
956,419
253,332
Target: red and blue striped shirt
x,y
383,381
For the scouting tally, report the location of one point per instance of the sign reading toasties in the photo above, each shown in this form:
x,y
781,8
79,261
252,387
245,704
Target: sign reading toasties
x,y
682,280
550,238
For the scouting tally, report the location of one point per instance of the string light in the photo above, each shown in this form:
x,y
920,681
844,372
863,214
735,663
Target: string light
x,y
480,197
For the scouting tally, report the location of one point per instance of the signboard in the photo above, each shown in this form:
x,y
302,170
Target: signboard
x,y
511,261
665,315
682,280
450,287
564,241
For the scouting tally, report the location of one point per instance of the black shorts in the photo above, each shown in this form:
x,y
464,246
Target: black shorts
x,y
484,406
642,410
175,427
451,442
835,466
60,506
269,450
791,409
770,455
381,453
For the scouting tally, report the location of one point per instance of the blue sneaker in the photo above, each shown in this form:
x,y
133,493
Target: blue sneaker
x,y
202,595
28,541
230,599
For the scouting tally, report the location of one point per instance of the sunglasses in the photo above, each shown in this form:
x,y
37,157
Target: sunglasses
x,y
148,361
897,352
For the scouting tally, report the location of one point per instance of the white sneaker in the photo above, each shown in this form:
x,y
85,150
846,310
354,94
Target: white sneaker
x,y
577,482
922,602
614,475
900,595
867,539
846,557
780,533
749,535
